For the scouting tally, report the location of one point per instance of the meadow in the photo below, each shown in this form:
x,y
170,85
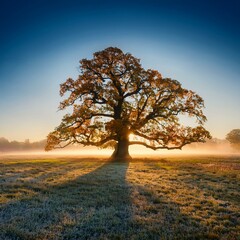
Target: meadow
x,y
170,197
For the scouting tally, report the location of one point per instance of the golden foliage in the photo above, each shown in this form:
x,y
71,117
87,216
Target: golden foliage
x,y
114,96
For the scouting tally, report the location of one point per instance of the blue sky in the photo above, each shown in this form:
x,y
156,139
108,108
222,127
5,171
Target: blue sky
x,y
195,42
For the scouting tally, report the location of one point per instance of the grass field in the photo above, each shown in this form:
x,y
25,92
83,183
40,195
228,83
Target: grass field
x,y
186,197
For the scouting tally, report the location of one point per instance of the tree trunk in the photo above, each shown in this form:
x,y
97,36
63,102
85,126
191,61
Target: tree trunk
x,y
121,151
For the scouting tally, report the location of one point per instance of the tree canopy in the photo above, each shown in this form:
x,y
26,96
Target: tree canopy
x,y
234,138
114,98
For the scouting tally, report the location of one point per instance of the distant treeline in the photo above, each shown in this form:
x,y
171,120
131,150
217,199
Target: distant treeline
x,y
9,146
6,145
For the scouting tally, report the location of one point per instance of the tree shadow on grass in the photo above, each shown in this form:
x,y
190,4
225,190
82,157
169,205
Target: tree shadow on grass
x,y
91,206
99,205
25,180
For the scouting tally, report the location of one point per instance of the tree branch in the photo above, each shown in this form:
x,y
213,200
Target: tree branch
x,y
102,115
160,147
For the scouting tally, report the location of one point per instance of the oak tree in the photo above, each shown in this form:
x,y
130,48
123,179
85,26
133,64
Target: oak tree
x,y
114,98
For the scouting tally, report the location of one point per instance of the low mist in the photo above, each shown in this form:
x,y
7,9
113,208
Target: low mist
x,y
220,147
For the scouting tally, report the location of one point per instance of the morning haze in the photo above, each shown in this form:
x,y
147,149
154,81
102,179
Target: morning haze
x,y
119,120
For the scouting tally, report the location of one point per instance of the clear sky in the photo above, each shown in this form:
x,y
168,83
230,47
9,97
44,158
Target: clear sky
x,y
42,41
